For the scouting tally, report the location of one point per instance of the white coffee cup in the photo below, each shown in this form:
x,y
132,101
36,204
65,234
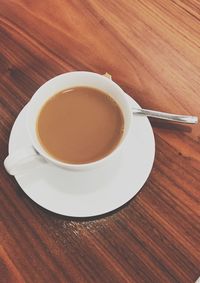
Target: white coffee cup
x,y
23,157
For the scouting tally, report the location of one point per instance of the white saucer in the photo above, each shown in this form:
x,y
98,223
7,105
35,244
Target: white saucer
x,y
88,193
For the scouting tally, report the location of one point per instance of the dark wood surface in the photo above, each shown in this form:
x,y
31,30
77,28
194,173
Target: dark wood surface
x,y
152,49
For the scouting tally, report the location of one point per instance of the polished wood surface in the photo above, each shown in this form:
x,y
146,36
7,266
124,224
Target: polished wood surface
x,y
152,50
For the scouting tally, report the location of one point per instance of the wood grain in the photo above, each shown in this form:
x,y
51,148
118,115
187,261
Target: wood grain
x,y
152,49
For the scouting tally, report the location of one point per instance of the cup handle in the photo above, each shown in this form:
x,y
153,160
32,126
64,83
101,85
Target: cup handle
x,y
20,160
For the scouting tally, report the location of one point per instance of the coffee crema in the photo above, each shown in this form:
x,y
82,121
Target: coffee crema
x,y
80,125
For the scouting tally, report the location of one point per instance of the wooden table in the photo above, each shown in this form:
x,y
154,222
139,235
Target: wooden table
x,y
152,50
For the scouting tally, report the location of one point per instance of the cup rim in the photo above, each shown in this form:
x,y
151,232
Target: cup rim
x,y
72,166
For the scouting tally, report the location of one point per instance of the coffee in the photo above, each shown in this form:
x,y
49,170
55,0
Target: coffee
x,y
80,125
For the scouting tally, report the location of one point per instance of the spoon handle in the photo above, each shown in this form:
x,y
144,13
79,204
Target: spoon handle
x,y
167,116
